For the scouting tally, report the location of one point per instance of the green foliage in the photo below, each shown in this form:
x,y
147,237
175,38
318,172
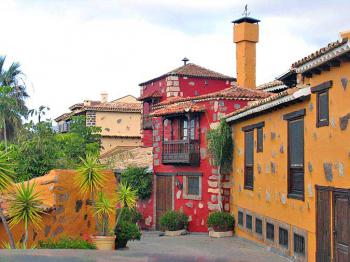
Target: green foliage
x,y
221,221
90,176
174,220
131,215
104,208
220,146
25,207
140,179
126,196
37,152
126,231
65,243
6,171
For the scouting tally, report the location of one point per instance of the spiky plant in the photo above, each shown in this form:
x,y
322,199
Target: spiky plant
x,y
105,207
126,197
25,208
6,180
90,178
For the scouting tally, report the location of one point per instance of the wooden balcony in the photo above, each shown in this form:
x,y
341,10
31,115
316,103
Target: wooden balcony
x,y
146,122
181,152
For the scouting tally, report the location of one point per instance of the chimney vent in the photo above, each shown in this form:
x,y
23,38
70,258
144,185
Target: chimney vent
x,y
104,97
185,60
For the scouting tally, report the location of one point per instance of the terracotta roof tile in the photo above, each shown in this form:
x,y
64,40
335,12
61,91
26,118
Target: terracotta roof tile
x,y
238,93
155,94
192,70
267,100
319,52
178,108
270,84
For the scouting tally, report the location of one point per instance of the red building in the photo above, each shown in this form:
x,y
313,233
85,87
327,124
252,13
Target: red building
x,y
178,109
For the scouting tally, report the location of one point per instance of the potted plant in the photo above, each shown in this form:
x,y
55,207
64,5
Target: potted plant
x,y
104,208
127,216
90,180
174,223
221,224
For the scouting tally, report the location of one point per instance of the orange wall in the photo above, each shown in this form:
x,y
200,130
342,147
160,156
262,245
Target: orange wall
x,y
325,144
67,219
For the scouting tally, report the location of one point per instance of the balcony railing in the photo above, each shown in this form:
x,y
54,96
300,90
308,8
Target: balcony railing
x,y
181,152
147,122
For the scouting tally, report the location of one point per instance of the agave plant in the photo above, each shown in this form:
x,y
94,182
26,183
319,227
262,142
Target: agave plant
x,y
6,180
25,207
126,198
90,178
104,209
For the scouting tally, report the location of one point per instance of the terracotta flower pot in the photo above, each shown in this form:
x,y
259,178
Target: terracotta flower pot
x,y
103,242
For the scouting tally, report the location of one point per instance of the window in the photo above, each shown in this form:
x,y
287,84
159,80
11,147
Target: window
x,y
299,244
249,159
249,222
240,218
270,231
296,158
192,187
259,139
183,129
192,132
283,237
258,226
322,109
322,99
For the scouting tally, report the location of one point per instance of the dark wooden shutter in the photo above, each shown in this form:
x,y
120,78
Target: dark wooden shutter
x,y
260,136
322,109
323,223
296,158
249,159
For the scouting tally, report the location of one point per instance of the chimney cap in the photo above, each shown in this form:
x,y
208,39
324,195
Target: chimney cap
x,y
246,19
185,60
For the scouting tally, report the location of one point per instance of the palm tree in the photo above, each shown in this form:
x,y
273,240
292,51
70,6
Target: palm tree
x,y
104,209
41,111
6,178
90,178
126,198
12,80
25,207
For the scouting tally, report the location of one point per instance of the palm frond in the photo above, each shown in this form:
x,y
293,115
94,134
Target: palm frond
x,y
6,171
126,196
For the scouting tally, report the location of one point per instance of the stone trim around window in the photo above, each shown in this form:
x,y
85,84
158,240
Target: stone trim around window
x,y
185,188
285,251
302,233
257,235
241,227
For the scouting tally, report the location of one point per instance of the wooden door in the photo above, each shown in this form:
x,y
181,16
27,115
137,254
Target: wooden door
x,y
341,226
323,225
163,196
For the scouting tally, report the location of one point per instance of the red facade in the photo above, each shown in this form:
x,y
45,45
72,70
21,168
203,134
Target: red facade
x,y
183,105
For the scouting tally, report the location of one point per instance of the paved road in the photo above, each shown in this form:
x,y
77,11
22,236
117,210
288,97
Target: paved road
x,y
189,248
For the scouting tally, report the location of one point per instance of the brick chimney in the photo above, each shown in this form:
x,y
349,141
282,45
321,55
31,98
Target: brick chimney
x,y
104,97
246,35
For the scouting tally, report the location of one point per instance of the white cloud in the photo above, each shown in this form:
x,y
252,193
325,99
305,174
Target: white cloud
x,y
69,55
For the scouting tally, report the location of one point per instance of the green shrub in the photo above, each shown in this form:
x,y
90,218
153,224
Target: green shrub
x,y
126,231
131,215
173,220
140,179
221,221
66,243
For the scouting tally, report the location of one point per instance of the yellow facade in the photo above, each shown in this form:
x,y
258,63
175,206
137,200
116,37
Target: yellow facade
x,y
327,144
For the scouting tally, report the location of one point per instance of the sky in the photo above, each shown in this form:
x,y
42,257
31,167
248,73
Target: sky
x,y
73,50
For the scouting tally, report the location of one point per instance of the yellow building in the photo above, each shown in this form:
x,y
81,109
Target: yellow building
x,y
119,119
291,168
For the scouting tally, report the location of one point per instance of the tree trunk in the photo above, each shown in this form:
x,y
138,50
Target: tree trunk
x,y
7,229
94,207
219,187
25,235
5,133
